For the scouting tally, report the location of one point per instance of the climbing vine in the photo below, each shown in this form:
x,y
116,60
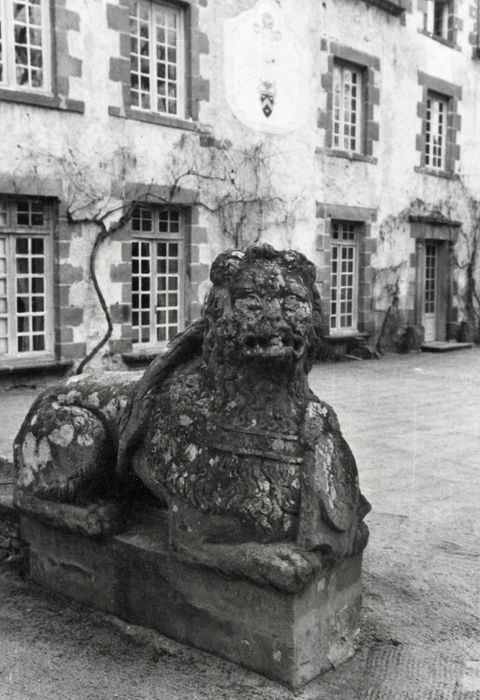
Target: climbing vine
x,y
234,184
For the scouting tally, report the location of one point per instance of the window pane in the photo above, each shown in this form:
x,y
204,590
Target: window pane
x,y
38,245
38,342
23,324
22,265
23,343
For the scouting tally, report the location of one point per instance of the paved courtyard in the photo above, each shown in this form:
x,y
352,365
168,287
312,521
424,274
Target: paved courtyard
x,y
413,424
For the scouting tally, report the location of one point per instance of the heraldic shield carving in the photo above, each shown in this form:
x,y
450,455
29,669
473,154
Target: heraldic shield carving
x,y
265,70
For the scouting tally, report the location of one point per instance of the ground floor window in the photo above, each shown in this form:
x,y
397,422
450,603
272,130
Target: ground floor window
x,y
157,275
25,298
344,276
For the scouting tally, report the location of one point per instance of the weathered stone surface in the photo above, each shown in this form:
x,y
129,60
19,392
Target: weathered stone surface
x,y
290,638
224,432
223,428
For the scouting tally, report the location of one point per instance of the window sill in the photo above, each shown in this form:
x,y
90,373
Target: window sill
x,y
142,357
160,119
339,336
440,39
393,7
34,365
38,100
436,173
334,153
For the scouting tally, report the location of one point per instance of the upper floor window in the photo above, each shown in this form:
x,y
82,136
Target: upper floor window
x,y
158,276
436,132
439,19
348,108
25,298
157,79
24,42
343,279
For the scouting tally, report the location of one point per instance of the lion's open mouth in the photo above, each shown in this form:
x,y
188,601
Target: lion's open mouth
x,y
265,346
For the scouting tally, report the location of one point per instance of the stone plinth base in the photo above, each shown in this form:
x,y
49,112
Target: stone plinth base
x,y
289,638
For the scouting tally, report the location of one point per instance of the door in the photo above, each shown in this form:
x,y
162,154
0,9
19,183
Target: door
x,y
430,291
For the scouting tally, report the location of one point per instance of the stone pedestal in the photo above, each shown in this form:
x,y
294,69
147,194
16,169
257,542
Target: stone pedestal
x,y
289,638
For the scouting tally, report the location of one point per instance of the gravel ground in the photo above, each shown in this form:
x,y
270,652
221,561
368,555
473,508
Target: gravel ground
x,y
413,424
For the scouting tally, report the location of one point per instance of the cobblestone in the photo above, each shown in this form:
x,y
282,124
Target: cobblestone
x,y
413,425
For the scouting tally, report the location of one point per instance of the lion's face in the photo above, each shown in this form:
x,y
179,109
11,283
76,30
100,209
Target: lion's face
x,y
271,313
263,309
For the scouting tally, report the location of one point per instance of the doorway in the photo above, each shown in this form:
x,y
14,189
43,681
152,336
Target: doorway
x,y
433,288
430,291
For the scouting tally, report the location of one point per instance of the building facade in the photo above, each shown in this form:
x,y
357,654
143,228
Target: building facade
x,y
142,137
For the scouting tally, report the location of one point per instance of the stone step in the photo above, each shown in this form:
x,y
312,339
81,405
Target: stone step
x,y
444,346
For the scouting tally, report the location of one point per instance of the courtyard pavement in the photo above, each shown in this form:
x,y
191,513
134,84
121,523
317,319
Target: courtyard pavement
x,y
413,424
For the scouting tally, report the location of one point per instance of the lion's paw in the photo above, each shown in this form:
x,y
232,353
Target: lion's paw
x,y
280,565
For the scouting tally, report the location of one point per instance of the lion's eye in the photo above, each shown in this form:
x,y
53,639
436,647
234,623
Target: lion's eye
x,y
251,301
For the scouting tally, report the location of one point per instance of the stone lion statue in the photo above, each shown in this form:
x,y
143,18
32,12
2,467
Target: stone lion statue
x,y
222,429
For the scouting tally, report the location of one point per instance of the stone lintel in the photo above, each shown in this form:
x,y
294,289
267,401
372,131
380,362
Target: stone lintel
x,y
290,638
438,220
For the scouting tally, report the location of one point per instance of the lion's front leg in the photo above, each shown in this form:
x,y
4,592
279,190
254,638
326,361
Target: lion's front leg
x,y
281,565
216,542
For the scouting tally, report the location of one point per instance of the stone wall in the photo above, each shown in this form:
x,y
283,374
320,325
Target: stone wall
x,y
85,140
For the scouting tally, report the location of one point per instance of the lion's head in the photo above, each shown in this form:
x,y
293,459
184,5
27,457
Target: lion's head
x,y
264,307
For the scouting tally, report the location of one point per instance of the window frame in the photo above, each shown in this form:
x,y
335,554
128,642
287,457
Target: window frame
x,y
341,65
7,54
11,230
429,156
181,64
154,236
447,33
338,330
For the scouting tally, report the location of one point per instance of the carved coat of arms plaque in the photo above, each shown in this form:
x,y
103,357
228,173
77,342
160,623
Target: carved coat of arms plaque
x,y
265,70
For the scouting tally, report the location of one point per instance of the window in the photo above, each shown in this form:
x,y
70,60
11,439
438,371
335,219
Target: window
x,y
343,282
436,132
25,318
157,275
439,19
24,42
348,107
157,58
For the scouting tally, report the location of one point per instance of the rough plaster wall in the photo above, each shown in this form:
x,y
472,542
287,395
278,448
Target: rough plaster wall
x,y
293,168
297,173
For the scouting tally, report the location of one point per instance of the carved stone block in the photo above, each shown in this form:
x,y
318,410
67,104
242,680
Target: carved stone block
x,y
288,637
